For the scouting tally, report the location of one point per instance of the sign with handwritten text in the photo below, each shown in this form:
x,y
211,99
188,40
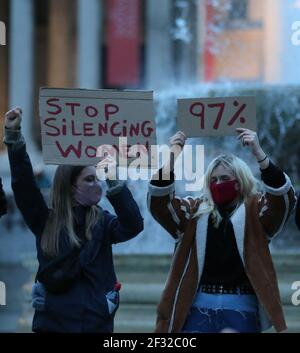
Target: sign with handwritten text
x,y
76,122
216,116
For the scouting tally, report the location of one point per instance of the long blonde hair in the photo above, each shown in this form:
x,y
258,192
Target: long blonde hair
x,y
248,184
61,216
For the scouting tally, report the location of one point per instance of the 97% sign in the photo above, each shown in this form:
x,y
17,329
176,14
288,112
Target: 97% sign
x,y
216,116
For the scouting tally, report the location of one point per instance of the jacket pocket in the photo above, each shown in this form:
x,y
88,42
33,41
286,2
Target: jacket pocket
x,y
38,295
112,302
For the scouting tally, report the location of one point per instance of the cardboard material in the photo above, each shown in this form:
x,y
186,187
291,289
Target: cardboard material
x,y
75,122
216,116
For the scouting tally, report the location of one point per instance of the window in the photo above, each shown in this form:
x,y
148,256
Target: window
x,y
238,10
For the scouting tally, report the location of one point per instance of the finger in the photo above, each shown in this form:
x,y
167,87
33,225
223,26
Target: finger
x,y
111,159
247,142
178,142
251,131
111,165
10,114
248,137
241,129
106,156
104,159
242,135
176,138
179,138
13,117
101,166
179,134
182,134
107,163
246,133
103,163
18,110
14,112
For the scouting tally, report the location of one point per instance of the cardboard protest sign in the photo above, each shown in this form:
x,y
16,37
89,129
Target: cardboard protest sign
x,y
76,122
216,116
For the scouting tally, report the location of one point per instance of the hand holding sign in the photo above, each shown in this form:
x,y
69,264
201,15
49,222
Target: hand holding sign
x,y
216,116
177,143
13,118
178,139
249,138
107,169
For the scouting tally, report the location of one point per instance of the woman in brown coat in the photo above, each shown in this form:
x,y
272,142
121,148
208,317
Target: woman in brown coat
x,y
222,276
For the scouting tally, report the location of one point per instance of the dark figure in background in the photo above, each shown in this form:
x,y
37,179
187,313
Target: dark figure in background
x,y
297,218
3,203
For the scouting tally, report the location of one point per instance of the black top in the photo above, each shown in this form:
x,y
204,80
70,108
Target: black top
x,y
3,204
223,264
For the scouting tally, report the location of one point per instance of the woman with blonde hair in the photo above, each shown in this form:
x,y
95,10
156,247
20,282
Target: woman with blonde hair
x,y
76,287
222,277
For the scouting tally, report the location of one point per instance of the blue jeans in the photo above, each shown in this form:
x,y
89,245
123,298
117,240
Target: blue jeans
x,y
223,312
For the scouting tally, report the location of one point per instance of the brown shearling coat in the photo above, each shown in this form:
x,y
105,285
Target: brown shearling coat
x,y
255,222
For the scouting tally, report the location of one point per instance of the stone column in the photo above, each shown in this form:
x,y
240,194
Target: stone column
x,y
90,24
159,67
184,41
62,47
282,57
21,63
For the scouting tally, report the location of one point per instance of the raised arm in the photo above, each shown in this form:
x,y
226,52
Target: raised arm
x,y
277,201
27,194
168,210
278,198
129,222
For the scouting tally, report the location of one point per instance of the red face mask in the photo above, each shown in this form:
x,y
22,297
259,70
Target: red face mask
x,y
224,193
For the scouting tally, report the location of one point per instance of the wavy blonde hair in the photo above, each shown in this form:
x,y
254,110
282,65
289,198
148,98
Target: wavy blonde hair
x,y
61,214
247,182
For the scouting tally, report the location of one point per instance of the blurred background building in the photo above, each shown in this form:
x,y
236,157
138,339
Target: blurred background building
x,y
140,44
162,45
